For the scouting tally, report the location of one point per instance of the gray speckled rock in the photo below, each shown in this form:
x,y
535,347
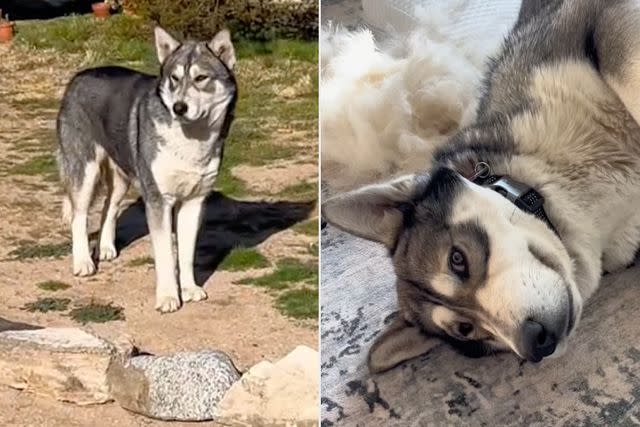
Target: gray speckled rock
x,y
182,386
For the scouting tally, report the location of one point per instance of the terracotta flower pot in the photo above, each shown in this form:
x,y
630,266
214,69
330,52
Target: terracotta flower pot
x,y
101,10
6,32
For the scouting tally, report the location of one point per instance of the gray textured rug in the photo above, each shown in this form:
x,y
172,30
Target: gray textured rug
x,y
597,382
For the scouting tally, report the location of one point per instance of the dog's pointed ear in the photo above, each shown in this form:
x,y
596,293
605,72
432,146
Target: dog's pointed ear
x,y
165,44
222,47
399,343
372,212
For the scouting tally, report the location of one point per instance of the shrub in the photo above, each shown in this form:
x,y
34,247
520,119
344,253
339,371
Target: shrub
x,y
250,19
264,20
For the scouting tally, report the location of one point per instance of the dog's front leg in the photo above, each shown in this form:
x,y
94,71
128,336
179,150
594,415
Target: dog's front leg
x,y
189,216
159,218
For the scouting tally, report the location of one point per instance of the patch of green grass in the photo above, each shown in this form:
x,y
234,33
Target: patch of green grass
x,y
243,259
53,285
138,262
44,305
44,165
299,303
228,184
30,250
121,39
279,49
300,191
310,228
97,313
287,272
249,143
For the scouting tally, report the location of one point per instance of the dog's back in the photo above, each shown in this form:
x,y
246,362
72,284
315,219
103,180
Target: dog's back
x,y
547,32
96,109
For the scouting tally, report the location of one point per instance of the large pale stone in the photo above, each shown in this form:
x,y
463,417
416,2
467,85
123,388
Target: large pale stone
x,y
280,394
67,364
182,386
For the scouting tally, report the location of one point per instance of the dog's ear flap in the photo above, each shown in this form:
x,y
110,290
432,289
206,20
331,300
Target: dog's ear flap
x,y
165,44
399,343
222,47
372,212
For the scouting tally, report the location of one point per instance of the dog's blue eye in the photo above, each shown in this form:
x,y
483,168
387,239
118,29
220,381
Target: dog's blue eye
x,y
458,263
201,78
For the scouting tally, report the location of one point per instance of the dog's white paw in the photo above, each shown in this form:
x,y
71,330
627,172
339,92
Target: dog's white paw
x,y
84,267
167,304
193,293
107,253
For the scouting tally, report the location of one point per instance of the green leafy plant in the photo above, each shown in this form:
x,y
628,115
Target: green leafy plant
x,y
251,19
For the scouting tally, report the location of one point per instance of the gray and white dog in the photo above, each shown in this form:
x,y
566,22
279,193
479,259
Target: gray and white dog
x,y
501,243
164,133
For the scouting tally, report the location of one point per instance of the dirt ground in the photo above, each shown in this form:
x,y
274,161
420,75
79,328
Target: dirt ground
x,y
238,319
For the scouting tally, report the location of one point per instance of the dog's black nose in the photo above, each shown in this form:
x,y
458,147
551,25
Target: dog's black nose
x,y
537,341
180,108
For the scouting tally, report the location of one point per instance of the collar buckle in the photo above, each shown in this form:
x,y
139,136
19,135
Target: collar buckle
x,y
523,196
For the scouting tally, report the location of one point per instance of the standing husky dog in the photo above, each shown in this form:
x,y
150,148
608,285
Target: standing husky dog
x,y
167,134
500,245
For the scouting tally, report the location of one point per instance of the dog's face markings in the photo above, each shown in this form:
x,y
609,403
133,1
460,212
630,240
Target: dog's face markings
x,y
471,267
196,77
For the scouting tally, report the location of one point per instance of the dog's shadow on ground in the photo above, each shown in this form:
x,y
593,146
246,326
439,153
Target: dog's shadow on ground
x,y
226,224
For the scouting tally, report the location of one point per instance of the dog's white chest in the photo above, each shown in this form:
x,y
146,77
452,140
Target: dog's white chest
x,y
185,167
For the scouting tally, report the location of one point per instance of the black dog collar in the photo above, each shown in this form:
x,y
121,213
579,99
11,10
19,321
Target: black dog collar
x,y
518,193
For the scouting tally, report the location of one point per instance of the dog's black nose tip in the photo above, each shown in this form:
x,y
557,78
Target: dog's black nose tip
x,y
180,108
537,341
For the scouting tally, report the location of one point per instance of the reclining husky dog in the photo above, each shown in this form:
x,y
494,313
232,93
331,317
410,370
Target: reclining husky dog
x,y
499,246
166,134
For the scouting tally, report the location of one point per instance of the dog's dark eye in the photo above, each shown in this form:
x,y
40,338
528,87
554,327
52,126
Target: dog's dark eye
x,y
458,263
465,329
174,77
201,78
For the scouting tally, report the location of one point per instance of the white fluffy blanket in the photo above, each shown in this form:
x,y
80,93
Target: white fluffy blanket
x,y
386,104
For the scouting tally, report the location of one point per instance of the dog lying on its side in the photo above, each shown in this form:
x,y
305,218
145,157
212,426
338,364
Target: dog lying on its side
x,y
502,242
167,134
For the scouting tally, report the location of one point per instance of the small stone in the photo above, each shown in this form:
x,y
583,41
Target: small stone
x,y
67,364
181,387
280,394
